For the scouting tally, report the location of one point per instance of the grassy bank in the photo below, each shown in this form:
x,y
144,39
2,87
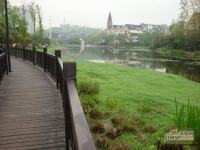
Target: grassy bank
x,y
138,93
129,47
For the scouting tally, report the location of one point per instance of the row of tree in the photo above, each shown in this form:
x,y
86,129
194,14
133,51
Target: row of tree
x,y
184,34
18,24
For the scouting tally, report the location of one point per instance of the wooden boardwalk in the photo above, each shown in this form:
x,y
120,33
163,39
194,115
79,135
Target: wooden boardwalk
x,y
31,114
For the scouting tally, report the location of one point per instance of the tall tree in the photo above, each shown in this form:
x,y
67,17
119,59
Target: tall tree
x,y
185,10
33,14
2,21
40,27
23,22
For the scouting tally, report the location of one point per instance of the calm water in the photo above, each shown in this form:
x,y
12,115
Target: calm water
x,y
137,58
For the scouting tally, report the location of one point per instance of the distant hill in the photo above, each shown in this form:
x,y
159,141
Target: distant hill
x,y
71,30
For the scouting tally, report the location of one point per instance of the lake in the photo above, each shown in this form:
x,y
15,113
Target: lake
x,y
137,58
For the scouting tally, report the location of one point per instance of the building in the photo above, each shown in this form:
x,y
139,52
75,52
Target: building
x,y
109,22
194,22
133,30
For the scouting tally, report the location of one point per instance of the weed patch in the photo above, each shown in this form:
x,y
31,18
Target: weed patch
x,y
111,103
150,128
114,132
142,138
96,113
122,147
103,143
117,120
144,107
98,128
88,87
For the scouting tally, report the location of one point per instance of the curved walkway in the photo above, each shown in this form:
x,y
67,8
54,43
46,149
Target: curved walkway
x,y
31,114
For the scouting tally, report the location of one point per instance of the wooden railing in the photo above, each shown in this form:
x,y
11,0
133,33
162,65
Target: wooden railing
x,y
77,132
3,64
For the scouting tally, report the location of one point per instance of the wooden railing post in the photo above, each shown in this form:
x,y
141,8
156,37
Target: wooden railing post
x,y
16,51
23,52
33,55
45,58
69,72
57,54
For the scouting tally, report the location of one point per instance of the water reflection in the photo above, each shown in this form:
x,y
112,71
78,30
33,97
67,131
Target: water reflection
x,y
137,58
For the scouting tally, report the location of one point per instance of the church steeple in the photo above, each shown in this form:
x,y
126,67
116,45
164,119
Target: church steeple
x,y
109,22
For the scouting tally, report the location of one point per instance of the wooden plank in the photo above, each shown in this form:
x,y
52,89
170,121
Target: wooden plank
x,y
31,110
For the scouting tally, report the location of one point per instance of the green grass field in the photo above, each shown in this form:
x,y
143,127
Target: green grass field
x,y
132,92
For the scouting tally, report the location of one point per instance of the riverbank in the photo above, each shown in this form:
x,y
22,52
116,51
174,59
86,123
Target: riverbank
x,y
179,54
137,93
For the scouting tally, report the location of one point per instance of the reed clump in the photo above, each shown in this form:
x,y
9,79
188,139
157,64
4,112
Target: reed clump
x,y
188,117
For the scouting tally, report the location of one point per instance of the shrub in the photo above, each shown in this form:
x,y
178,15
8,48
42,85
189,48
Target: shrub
x,y
91,100
88,87
86,107
88,99
196,54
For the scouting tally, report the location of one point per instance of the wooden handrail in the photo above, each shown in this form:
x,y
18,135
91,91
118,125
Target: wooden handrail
x,y
77,132
82,137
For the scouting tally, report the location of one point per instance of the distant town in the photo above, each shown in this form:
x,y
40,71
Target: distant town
x,y
68,31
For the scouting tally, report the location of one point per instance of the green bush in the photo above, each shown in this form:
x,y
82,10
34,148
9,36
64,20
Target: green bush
x,y
88,87
196,54
91,100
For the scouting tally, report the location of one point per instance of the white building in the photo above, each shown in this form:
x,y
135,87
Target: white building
x,y
133,30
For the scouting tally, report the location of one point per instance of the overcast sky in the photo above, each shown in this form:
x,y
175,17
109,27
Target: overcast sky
x,y
94,13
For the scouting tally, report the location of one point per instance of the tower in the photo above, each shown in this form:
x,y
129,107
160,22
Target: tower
x,y
109,22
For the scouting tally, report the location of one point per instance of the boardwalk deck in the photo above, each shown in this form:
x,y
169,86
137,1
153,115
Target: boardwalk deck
x,y
31,114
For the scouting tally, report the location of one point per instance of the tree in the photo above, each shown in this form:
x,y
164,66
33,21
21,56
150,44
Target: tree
x,y
92,39
23,23
2,8
109,39
2,22
190,14
157,40
33,14
122,38
74,40
40,28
